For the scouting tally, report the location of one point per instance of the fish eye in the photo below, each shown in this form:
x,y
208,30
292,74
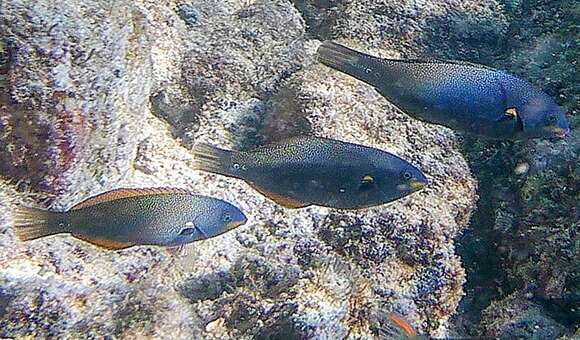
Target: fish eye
x,y
368,70
236,166
187,231
227,218
407,175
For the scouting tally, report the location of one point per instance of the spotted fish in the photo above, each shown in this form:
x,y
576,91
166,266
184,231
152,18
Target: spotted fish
x,y
128,217
460,95
303,171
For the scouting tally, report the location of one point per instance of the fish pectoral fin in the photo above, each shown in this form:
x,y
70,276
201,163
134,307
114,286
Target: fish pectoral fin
x,y
284,201
103,243
509,114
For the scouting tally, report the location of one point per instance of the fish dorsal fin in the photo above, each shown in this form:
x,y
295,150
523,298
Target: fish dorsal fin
x,y
284,201
125,193
443,61
107,244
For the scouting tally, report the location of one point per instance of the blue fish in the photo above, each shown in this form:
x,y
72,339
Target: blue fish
x,y
308,170
462,96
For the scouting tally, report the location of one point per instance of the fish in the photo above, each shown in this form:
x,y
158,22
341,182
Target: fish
x,y
402,324
463,96
306,170
124,218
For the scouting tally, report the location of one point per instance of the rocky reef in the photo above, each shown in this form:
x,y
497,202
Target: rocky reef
x,y
104,94
528,214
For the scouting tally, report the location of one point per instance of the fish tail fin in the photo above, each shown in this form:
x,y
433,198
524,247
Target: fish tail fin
x,y
341,58
31,223
212,159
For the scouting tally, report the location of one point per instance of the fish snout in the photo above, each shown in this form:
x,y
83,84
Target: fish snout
x,y
238,220
417,185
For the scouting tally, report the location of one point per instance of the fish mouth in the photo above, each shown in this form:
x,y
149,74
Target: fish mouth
x,y
412,186
235,224
417,185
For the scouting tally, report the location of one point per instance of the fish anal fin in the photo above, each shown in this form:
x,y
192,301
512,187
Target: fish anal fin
x,y
284,201
125,193
103,243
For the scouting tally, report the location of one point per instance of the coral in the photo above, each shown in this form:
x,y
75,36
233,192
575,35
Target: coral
x,y
60,128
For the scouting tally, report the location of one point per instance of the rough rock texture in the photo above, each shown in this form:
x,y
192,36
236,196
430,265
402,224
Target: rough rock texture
x,y
451,28
231,73
516,317
73,85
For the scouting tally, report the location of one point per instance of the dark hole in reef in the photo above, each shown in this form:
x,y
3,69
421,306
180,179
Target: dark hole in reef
x,y
320,16
207,287
274,119
182,116
281,325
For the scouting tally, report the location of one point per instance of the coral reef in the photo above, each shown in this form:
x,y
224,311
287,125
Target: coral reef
x,y
168,75
71,93
516,317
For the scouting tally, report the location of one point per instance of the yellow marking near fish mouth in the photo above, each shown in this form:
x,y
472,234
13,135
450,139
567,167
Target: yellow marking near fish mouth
x,y
558,131
417,185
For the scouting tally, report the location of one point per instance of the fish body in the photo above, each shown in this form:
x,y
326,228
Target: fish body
x,y
126,217
305,171
460,95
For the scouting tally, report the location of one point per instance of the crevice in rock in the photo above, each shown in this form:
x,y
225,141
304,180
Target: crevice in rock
x,y
320,16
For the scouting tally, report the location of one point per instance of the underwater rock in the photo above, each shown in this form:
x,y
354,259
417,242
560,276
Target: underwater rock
x,y
532,218
446,29
75,84
225,72
516,317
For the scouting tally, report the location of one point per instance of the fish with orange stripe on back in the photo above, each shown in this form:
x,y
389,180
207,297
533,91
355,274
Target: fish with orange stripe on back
x,y
404,330
124,218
